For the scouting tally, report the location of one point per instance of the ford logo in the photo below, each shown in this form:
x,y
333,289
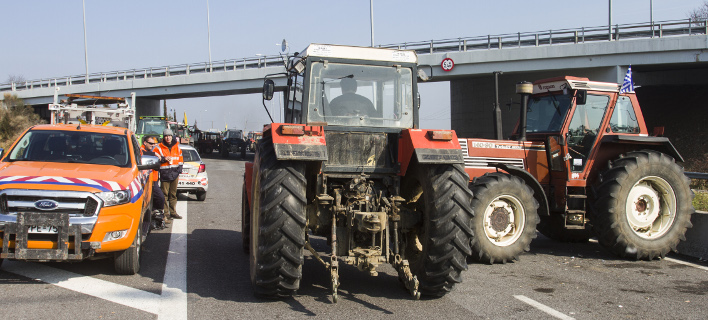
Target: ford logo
x,y
46,204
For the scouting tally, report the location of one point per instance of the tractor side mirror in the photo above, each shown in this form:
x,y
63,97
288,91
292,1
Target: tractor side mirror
x,y
581,97
268,89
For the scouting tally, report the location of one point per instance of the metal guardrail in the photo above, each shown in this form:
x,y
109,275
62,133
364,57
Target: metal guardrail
x,y
146,73
618,32
697,175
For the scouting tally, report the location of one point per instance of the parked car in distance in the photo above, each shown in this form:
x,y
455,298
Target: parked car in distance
x,y
193,179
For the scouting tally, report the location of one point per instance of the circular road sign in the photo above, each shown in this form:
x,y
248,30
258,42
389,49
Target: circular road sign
x,y
447,64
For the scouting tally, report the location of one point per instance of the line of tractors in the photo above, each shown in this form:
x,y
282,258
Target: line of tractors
x,y
350,170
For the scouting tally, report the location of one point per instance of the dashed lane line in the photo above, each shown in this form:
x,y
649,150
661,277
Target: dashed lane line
x,y
543,307
127,296
171,304
687,263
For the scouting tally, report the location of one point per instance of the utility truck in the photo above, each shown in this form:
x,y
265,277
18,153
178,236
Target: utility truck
x,y
580,159
96,110
352,167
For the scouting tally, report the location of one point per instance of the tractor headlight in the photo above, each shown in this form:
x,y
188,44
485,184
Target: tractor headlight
x,y
113,198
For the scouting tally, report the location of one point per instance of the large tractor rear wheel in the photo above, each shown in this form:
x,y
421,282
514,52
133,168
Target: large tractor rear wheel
x,y
505,217
438,246
277,225
643,206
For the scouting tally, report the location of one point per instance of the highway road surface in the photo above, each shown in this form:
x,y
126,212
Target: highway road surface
x,y
196,269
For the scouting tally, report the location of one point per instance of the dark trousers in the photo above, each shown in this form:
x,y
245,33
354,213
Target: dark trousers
x,y
158,198
169,188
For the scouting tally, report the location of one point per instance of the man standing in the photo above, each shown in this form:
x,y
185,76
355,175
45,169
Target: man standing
x,y
149,148
169,172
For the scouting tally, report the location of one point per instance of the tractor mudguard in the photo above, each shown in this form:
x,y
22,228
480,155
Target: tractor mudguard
x,y
661,144
426,149
247,178
531,181
298,142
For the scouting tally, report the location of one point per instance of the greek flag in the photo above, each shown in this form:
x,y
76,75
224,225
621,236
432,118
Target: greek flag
x,y
627,85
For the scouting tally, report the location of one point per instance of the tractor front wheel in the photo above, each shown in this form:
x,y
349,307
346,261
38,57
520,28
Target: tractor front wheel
x,y
438,246
277,225
505,217
643,206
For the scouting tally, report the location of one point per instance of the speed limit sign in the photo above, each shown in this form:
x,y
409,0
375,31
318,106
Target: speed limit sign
x,y
447,64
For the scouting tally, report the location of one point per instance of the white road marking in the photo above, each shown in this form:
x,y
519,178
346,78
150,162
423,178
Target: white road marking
x,y
174,284
687,263
127,296
171,304
543,307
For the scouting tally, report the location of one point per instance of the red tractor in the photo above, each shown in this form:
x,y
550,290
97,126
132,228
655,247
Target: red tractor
x,y
352,168
581,159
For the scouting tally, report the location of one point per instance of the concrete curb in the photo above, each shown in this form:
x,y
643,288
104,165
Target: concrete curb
x,y
696,244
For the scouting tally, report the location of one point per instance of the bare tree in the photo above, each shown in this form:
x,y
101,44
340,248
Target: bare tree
x,y
700,13
16,78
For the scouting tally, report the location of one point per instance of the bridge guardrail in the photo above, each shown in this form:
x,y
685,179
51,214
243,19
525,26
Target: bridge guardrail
x,y
618,32
151,72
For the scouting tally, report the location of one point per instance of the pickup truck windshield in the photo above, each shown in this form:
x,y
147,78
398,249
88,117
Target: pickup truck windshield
x,y
72,147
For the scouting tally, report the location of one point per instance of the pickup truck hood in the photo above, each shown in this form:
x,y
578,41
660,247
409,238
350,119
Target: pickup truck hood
x,y
99,177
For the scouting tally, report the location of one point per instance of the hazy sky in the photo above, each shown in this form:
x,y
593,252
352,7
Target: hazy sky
x,y
44,38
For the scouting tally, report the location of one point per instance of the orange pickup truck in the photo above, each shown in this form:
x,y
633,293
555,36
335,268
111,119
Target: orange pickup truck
x,y
73,192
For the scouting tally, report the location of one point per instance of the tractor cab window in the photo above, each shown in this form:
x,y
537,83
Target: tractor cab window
x,y
584,128
547,113
624,120
360,95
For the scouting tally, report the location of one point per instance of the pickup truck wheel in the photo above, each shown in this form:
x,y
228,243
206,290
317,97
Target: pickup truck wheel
x,y
245,220
437,247
643,206
277,225
505,217
128,261
201,195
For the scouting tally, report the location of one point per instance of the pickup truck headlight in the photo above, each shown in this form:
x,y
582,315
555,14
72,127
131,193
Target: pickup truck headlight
x,y
113,198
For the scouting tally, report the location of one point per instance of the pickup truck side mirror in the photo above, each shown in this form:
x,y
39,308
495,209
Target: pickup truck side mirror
x,y
149,163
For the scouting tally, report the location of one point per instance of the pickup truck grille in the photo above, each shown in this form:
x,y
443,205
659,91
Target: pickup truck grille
x,y
75,203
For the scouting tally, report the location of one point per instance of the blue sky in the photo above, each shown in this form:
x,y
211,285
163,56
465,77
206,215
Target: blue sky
x,y
44,38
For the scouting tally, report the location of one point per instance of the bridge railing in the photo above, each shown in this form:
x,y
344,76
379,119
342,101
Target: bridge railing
x,y
552,37
616,32
145,73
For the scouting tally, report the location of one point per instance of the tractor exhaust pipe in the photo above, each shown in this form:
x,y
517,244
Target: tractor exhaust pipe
x,y
524,89
497,108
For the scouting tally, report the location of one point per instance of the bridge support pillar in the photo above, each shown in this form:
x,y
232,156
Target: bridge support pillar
x,y
147,107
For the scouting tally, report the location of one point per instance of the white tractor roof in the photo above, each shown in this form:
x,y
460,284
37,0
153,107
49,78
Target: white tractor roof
x,y
567,82
362,53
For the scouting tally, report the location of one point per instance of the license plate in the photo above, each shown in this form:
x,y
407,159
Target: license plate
x,y
42,229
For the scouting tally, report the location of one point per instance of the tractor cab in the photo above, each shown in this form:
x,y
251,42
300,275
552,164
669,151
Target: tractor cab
x,y
572,115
